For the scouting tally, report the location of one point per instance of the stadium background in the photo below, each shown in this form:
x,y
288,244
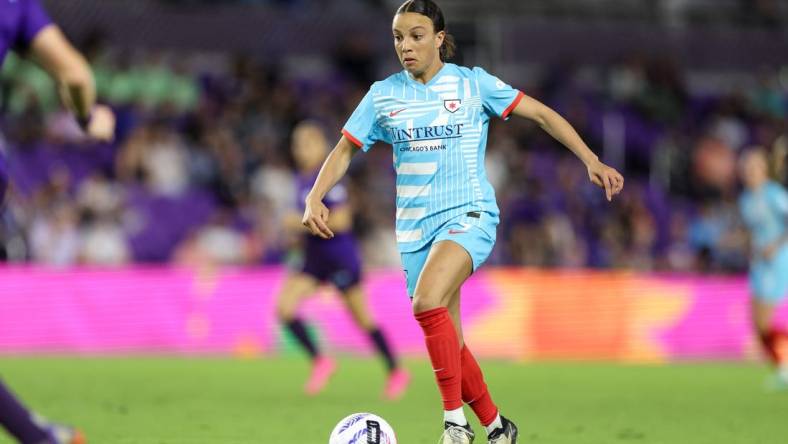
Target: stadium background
x,y
167,241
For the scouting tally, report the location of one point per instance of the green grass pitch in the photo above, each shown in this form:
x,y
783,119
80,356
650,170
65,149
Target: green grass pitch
x,y
227,401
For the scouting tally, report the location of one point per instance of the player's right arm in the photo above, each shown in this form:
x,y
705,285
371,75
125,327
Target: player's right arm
x,y
359,133
71,72
333,169
341,220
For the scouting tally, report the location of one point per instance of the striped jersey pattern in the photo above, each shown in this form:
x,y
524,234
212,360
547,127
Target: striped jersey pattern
x,y
438,134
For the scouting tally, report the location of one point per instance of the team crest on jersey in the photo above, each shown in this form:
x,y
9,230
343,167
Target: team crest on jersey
x,y
452,105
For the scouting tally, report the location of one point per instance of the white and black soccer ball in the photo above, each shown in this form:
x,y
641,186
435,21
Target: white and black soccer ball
x,y
362,428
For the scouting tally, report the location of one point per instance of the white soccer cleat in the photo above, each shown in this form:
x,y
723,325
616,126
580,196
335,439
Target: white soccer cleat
x,y
454,434
504,435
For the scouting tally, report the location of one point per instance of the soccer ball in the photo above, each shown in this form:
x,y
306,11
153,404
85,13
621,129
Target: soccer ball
x,y
362,428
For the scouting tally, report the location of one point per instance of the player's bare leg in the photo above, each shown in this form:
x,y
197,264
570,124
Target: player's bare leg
x,y
448,265
356,302
398,377
774,341
297,287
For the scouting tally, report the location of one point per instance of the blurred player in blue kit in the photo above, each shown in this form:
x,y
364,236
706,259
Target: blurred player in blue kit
x,y
764,208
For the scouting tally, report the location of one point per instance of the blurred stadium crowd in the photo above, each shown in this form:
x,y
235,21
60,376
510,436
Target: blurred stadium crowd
x,y
201,168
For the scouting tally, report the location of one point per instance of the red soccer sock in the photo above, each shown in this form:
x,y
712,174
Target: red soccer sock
x,y
775,341
474,389
444,350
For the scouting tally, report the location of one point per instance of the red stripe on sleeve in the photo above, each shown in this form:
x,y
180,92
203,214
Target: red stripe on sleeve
x,y
511,107
355,141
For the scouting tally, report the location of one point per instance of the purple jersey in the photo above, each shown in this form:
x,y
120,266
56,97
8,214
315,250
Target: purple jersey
x,y
334,260
336,197
20,22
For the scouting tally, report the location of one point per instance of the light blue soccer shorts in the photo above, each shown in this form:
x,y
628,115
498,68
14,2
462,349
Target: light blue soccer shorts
x,y
769,279
474,231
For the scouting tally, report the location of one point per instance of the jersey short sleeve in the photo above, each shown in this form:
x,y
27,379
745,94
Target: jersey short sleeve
x,y
498,98
362,127
32,20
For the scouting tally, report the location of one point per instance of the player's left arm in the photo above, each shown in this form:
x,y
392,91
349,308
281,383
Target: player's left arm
x,y
600,174
74,78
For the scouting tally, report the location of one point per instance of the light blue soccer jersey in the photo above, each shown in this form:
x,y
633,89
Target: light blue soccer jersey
x,y
765,212
438,133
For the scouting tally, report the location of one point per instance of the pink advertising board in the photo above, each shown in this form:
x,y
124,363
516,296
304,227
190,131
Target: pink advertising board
x,y
508,313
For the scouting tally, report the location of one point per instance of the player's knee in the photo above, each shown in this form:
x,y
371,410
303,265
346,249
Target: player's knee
x,y
761,322
284,311
361,317
364,320
425,300
762,327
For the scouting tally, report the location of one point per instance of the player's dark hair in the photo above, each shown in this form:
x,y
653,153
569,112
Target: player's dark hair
x,y
431,10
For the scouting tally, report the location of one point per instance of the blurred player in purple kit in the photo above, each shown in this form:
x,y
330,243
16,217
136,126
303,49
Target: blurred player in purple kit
x,y
26,28
334,261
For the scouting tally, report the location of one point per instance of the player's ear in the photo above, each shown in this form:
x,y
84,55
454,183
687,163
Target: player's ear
x,y
440,36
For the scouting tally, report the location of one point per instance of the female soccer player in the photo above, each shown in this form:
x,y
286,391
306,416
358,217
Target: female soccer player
x,y
335,261
25,26
435,115
764,208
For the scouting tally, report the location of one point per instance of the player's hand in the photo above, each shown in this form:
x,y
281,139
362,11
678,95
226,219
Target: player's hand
x,y
770,250
606,177
102,124
316,219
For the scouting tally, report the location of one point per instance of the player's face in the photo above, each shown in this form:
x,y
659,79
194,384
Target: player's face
x,y
416,42
309,147
754,170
